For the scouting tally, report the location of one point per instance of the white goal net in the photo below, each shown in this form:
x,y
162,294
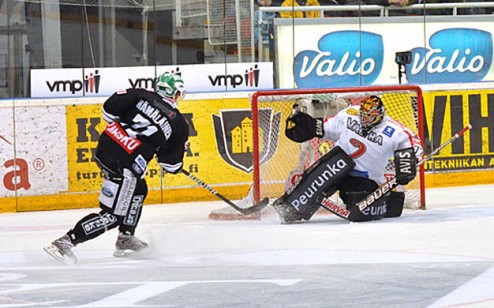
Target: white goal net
x,y
278,161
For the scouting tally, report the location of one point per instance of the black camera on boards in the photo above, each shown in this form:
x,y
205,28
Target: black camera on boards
x,y
403,57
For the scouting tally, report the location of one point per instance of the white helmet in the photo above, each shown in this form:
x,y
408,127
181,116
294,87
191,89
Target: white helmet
x,y
171,85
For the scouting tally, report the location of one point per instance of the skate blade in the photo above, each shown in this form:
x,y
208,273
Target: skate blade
x,y
122,253
119,253
57,255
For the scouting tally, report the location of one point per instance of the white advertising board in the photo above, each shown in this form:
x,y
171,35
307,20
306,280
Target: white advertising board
x,y
38,166
105,81
353,54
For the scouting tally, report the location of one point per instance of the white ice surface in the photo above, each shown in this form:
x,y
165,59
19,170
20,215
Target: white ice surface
x,y
457,227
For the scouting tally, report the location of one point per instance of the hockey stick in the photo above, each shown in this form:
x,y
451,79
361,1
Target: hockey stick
x,y
245,211
391,184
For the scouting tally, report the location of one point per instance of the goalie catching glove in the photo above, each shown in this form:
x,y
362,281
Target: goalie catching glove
x,y
301,127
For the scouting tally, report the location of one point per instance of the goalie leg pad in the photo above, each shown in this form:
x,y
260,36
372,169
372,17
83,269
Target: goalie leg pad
x,y
324,176
395,202
375,211
286,212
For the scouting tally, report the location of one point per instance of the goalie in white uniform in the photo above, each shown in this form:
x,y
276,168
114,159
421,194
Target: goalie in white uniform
x,y
365,140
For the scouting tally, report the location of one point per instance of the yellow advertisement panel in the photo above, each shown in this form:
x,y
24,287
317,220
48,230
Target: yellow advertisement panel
x,y
220,132
84,124
447,112
220,150
210,133
210,137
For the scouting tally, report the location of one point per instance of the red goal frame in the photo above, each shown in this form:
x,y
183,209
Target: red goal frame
x,y
255,124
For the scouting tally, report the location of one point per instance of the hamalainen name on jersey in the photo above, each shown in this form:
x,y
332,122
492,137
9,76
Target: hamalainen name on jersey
x,y
156,117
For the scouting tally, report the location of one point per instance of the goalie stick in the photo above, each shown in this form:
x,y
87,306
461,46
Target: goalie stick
x,y
382,190
391,184
245,211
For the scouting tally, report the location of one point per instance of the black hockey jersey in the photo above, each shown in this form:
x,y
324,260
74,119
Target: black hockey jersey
x,y
142,124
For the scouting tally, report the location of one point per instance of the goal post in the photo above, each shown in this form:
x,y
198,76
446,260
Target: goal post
x,y
277,161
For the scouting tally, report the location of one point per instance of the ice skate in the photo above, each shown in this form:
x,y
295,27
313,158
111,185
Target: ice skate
x,y
127,244
61,250
287,214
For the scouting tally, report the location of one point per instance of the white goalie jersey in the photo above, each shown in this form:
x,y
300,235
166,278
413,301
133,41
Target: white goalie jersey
x,y
372,151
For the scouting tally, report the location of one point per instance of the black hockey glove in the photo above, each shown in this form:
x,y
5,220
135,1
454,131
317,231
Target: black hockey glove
x,y
301,127
405,166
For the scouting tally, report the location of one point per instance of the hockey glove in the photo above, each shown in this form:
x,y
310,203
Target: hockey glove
x,y
405,166
301,127
171,168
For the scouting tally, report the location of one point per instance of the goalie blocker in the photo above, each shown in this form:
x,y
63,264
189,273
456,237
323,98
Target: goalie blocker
x,y
405,166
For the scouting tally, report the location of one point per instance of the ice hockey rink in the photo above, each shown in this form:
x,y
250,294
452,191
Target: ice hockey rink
x,y
440,257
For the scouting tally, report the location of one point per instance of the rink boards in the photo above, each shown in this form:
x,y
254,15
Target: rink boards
x,y
46,148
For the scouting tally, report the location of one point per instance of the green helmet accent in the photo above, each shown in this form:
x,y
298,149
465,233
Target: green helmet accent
x,y
169,84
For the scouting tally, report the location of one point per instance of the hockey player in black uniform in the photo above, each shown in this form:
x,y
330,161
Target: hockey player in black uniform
x,y
141,124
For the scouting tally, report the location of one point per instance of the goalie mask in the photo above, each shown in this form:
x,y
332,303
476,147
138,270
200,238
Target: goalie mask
x,y
171,86
372,112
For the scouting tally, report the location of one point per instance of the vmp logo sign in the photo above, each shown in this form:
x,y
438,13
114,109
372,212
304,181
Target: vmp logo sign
x,y
249,78
149,82
143,83
90,84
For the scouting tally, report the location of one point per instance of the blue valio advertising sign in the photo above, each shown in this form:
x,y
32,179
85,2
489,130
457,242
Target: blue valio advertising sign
x,y
454,55
332,64
346,54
